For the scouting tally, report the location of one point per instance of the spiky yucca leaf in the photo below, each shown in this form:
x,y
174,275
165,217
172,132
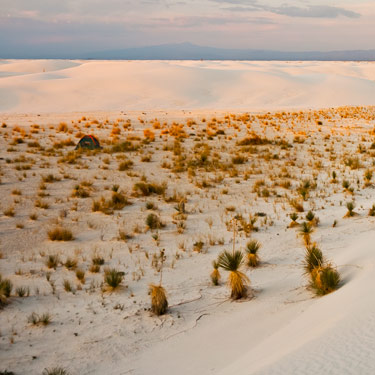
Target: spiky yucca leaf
x,y
159,302
230,261
313,258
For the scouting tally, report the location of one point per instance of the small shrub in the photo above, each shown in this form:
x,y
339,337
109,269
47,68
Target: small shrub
x,y
80,275
153,221
325,280
52,261
113,278
146,189
60,234
215,274
125,165
22,291
98,260
9,212
5,290
71,263
371,211
159,302
36,319
67,286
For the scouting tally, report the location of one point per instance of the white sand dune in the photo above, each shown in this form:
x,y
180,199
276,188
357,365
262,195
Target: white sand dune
x,y
71,86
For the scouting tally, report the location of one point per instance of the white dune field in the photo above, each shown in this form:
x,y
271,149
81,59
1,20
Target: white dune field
x,y
47,86
193,109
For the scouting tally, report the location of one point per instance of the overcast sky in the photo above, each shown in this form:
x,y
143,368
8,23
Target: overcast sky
x,y
93,25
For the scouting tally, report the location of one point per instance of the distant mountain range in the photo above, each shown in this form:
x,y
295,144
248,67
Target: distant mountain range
x,y
188,51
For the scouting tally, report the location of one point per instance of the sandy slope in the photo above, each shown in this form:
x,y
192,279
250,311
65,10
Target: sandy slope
x,y
69,86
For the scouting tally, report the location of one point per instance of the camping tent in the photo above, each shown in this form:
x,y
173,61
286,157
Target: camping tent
x,y
88,142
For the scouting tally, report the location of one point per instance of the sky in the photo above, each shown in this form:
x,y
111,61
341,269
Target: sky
x,y
74,26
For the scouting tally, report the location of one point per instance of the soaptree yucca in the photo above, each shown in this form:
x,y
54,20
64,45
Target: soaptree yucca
x,y
215,274
232,262
251,249
159,302
305,231
325,279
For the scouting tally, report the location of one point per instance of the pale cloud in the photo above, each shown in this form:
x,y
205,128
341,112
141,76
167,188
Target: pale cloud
x,y
85,25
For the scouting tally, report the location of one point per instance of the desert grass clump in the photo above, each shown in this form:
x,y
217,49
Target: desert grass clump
x,y
5,290
80,274
67,286
113,278
43,319
60,234
159,302
146,189
23,291
52,261
9,212
371,211
232,262
55,371
153,221
117,202
71,263
215,274
251,249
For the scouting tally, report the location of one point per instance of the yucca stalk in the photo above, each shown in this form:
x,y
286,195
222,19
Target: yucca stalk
x,y
215,274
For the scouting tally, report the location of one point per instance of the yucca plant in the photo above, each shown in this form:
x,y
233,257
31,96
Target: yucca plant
x,y
313,258
215,274
294,217
159,302
350,206
251,249
325,279
305,232
232,262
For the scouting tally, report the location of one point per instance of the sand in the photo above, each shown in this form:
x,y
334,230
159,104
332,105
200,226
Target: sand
x,y
283,327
